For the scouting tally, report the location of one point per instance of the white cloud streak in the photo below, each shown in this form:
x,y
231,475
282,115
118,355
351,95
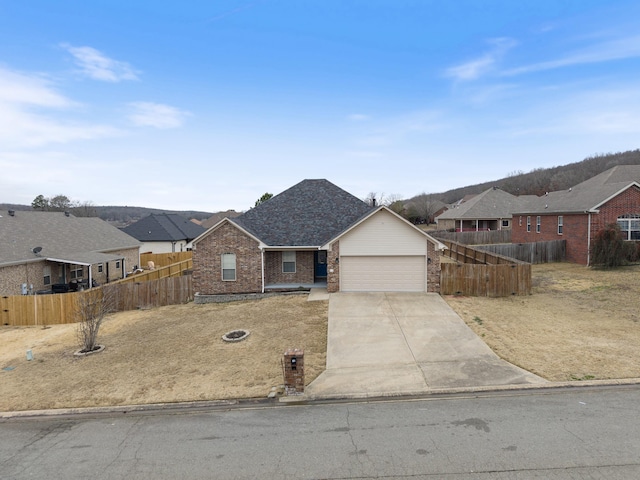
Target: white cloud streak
x,y
94,64
485,63
157,115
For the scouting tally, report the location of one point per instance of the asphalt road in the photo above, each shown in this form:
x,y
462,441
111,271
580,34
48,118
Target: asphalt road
x,y
569,434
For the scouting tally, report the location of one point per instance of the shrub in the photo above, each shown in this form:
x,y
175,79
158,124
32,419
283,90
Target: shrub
x,y
608,249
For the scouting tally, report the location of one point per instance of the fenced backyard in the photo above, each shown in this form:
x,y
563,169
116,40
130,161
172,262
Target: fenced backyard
x,y
481,273
538,252
474,238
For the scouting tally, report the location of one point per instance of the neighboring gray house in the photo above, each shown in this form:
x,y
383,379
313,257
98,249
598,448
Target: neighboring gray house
x,y
315,233
164,233
489,210
54,251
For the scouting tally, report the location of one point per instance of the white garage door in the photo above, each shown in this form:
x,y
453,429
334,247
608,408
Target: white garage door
x,y
382,274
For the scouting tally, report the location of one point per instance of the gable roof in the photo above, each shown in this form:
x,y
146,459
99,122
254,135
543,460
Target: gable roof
x,y
492,203
587,196
307,214
164,227
59,235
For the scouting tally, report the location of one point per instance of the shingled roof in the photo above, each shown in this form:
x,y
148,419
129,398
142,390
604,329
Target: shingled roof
x,y
586,196
307,214
164,227
492,203
60,235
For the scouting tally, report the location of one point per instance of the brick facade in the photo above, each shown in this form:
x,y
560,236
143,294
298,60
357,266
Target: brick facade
x,y
333,268
575,230
305,268
207,262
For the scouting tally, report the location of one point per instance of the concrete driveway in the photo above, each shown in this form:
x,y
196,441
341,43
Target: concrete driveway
x,y
383,344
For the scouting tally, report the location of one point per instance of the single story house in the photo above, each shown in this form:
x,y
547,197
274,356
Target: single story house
x,y
315,234
489,210
53,251
575,215
164,233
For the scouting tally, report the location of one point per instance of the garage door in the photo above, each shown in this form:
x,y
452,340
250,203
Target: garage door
x,y
382,274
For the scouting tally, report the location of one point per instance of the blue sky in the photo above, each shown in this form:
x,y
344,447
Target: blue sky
x,y
206,105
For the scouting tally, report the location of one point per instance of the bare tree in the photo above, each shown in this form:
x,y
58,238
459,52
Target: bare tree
x,y
92,308
423,207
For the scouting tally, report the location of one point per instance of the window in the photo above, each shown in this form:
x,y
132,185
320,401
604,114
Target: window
x,y
560,224
118,265
528,224
505,223
99,268
228,266
76,271
520,221
538,223
47,275
630,226
289,262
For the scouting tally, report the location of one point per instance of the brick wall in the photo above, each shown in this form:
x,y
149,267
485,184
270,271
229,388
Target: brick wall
x,y
333,268
433,268
628,202
305,268
207,262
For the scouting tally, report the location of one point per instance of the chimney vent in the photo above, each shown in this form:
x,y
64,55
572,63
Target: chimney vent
x,y
12,213
66,214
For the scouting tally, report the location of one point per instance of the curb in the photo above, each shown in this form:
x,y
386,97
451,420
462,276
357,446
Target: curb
x,y
306,400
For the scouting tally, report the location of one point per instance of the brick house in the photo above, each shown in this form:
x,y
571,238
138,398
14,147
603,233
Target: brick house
x,y
52,251
576,215
315,234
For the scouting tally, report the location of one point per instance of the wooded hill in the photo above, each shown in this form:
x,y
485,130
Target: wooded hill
x,y
542,180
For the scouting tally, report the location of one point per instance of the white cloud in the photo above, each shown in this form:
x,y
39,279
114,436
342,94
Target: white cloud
x,y
620,48
94,64
22,121
483,64
158,115
358,117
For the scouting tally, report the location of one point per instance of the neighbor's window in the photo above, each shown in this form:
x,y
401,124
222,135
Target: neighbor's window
x,y
630,226
47,274
288,262
538,223
505,223
228,266
118,264
560,224
520,221
99,268
76,271
528,224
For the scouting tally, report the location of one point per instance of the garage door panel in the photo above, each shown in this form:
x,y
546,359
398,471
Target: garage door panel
x,y
382,274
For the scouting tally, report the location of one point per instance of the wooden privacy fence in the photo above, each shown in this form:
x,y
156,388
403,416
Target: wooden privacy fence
x,y
163,259
535,252
173,270
28,310
474,238
481,273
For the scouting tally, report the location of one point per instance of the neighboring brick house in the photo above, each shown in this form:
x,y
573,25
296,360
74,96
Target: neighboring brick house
x,y
164,233
489,210
576,215
45,251
315,234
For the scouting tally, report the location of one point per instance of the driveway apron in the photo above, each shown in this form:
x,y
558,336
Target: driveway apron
x,y
383,344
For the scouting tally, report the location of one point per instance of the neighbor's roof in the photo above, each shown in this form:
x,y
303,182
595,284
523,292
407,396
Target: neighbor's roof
x,y
307,214
164,227
60,236
492,203
588,195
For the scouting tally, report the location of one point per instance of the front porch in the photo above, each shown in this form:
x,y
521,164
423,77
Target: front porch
x,y
281,287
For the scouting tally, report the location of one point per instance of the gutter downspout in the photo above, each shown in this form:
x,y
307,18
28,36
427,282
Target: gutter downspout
x,y
589,241
262,267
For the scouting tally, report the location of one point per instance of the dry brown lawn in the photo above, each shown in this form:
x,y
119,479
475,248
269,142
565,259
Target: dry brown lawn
x,y
167,354
579,324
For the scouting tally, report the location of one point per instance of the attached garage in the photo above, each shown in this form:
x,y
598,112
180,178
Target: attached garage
x,y
383,274
384,253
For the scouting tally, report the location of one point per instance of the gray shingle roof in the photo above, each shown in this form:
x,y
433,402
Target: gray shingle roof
x,y
164,227
307,214
587,195
492,203
58,235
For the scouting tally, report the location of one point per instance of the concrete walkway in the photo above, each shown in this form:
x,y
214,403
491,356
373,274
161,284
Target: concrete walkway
x,y
382,344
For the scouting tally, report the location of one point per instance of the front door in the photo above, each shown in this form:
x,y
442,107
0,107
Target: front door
x,y
320,258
